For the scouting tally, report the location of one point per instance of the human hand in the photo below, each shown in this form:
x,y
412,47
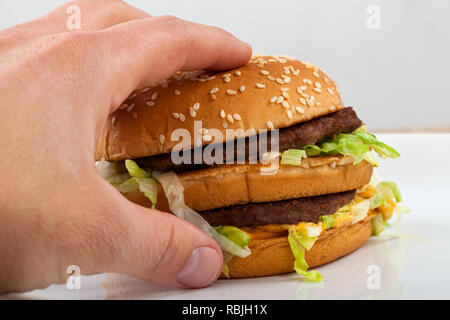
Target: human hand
x,y
58,88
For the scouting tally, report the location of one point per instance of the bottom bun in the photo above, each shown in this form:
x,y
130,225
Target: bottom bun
x,y
274,256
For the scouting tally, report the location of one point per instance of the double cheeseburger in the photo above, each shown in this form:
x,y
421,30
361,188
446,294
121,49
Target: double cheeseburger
x,y
318,204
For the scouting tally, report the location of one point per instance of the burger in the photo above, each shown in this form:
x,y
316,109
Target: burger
x,y
265,158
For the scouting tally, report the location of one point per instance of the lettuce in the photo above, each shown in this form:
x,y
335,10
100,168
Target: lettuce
x,y
135,179
175,196
356,144
298,242
293,157
241,238
378,224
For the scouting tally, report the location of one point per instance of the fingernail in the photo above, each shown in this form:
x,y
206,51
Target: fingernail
x,y
203,267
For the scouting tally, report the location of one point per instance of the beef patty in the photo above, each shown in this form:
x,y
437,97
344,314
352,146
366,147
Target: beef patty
x,y
293,137
291,211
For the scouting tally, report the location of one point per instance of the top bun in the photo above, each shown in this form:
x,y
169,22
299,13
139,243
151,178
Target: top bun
x,y
269,92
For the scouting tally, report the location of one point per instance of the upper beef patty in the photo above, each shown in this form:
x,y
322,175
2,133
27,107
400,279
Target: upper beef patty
x,y
293,137
292,211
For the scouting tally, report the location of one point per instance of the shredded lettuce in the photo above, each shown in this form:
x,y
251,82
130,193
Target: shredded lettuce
x,y
135,179
356,144
378,224
241,238
175,196
298,243
293,157
135,171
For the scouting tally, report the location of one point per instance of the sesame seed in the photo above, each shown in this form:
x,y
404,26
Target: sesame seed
x,y
316,74
238,73
230,91
280,81
211,78
289,114
296,72
270,125
303,88
332,108
154,96
226,75
214,90
242,88
299,90
282,60
264,72
130,107
113,120
317,85
145,90
285,104
123,106
165,85
177,92
330,91
286,70
327,80
150,103
280,99
303,101
230,118
271,78
310,102
283,89
132,96
225,124
260,85
213,97
162,138
333,164
176,115
196,106
287,79
237,117
272,60
192,112
222,113
299,109
227,79
182,117
317,90
273,99
285,94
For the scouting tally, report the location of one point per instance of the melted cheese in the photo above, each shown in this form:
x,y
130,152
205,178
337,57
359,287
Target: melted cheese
x,y
281,230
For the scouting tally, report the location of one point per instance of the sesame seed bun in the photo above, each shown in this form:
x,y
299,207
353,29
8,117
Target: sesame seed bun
x,y
274,256
249,97
228,185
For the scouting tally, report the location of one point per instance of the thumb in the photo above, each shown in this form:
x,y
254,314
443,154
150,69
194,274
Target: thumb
x,y
158,247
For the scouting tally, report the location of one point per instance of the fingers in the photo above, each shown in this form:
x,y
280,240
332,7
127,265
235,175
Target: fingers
x,y
92,15
151,50
146,244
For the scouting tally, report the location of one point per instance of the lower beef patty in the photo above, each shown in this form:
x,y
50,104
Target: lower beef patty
x,y
292,211
296,136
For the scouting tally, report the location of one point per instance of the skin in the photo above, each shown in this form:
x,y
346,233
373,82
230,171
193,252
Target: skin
x,y
57,88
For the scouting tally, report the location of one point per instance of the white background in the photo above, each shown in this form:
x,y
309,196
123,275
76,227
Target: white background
x,y
397,76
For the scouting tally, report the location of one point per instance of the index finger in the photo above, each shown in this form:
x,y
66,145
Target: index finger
x,y
151,50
